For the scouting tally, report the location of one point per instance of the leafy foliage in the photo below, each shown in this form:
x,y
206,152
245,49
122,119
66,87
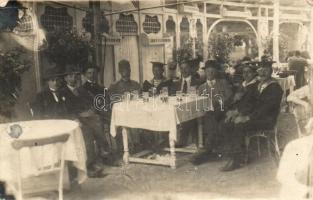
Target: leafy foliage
x,y
12,66
221,44
68,47
283,46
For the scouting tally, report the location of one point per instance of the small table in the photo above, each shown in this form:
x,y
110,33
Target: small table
x,y
74,150
157,116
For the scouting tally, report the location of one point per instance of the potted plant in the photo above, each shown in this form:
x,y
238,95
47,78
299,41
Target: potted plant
x,y
12,66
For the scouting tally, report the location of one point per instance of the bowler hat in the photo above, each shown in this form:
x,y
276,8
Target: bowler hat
x,y
52,73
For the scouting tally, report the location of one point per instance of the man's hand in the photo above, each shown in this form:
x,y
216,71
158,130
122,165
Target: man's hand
x,y
241,119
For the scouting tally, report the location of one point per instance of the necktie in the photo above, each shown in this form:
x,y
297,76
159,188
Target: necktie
x,y
185,87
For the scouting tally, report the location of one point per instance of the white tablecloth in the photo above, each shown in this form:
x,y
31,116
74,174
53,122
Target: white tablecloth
x,y
157,116
74,148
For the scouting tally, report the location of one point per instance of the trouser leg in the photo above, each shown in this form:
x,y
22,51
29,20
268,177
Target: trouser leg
x,y
90,146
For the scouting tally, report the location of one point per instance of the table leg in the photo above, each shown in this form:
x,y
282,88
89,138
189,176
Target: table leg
x,y
173,156
125,144
200,133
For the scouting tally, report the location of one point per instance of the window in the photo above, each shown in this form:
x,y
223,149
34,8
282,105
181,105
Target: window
x,y
88,24
184,30
56,17
151,24
126,25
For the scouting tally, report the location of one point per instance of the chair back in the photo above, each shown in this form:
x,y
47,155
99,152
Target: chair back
x,y
42,168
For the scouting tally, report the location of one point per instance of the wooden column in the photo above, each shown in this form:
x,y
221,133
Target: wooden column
x,y
36,47
276,32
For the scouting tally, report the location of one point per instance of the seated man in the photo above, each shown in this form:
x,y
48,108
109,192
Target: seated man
x,y
49,104
99,100
220,93
117,89
185,85
125,84
159,80
79,108
187,81
263,116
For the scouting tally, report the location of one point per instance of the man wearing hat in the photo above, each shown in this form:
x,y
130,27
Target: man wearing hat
x,y
159,80
49,103
262,117
79,108
117,89
219,93
125,84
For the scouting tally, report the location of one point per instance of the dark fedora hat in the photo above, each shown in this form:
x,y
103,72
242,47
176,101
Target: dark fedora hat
x,y
52,73
71,69
211,63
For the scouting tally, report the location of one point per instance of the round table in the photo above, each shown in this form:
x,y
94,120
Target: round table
x,y
74,148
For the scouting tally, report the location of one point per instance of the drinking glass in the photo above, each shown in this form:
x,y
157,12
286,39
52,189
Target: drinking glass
x,y
135,95
179,95
145,96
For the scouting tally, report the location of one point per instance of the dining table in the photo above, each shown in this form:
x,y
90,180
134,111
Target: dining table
x,y
158,116
75,152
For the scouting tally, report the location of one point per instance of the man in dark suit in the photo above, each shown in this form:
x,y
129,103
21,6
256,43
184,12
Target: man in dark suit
x,y
298,64
185,85
49,103
79,108
159,80
219,93
187,81
99,100
262,117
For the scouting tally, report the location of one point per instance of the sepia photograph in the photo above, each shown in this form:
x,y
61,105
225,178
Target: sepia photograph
x,y
156,100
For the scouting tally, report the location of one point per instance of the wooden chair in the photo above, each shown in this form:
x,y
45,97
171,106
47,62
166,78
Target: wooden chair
x,y
272,141
53,168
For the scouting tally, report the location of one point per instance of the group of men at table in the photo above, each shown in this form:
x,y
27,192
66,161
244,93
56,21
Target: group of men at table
x,y
252,105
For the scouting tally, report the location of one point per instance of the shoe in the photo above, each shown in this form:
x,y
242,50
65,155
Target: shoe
x,y
95,174
204,157
231,165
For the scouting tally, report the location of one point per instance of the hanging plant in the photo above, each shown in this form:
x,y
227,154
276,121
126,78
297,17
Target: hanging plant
x,y
12,66
68,47
220,46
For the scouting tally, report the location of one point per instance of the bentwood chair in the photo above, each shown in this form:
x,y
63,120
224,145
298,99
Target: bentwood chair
x,y
272,143
52,168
